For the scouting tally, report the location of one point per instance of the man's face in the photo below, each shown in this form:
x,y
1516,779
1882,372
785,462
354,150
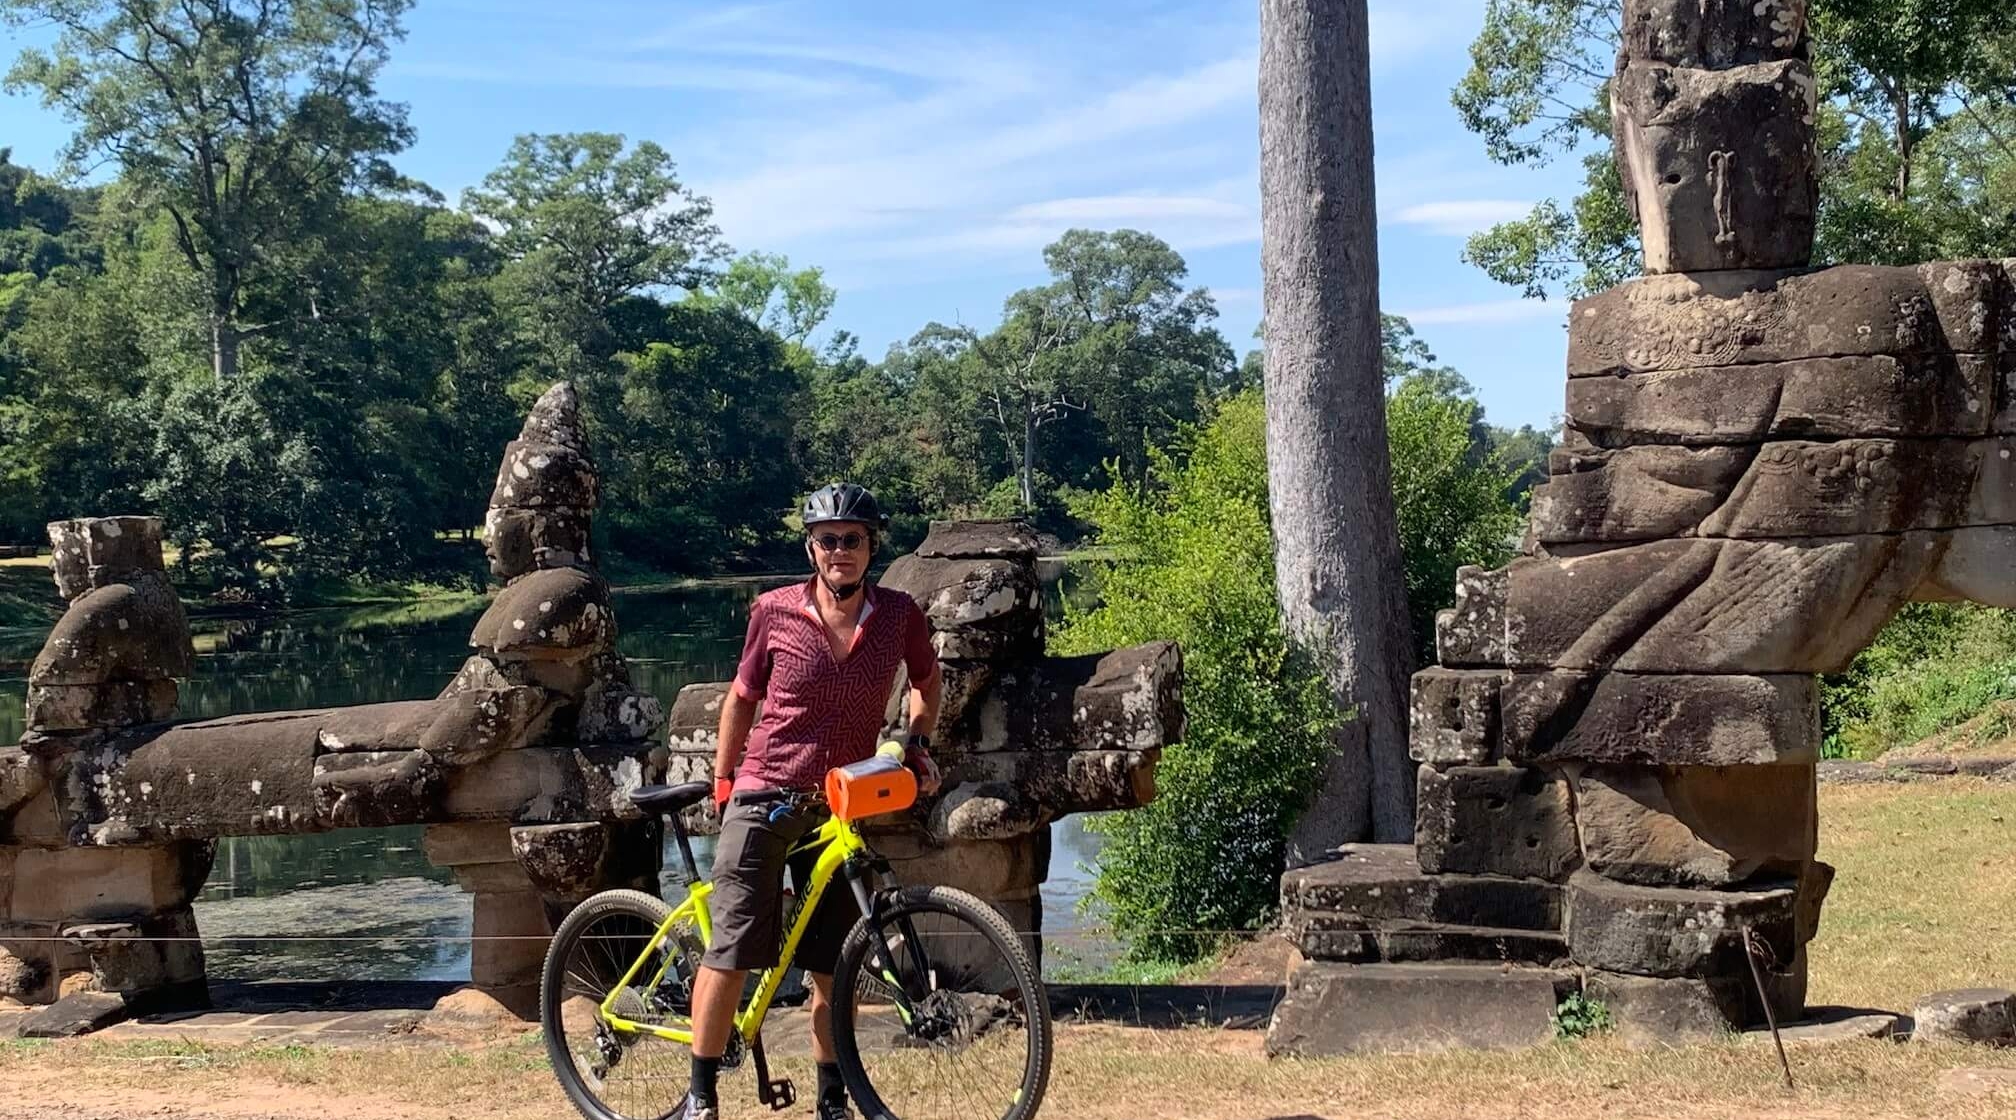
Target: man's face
x,y
839,551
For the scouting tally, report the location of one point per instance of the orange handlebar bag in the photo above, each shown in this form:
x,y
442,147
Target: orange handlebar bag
x,y
870,787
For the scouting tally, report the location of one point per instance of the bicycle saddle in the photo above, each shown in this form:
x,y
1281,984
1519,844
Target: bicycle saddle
x,y
669,799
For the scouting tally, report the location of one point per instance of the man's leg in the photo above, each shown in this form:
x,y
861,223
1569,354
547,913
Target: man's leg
x,y
715,994
832,1091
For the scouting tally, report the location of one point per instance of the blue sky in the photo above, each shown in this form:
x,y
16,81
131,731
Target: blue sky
x,y
923,153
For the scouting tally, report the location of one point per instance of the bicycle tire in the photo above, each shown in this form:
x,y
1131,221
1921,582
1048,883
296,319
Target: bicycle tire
x,y
648,912
910,902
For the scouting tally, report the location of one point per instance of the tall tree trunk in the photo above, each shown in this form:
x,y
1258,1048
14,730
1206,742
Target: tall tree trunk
x,y
1336,545
1900,104
1028,472
223,348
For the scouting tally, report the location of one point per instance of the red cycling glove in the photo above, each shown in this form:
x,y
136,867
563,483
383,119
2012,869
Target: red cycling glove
x,y
723,789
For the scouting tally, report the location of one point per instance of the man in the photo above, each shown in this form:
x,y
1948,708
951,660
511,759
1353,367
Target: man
x,y
821,657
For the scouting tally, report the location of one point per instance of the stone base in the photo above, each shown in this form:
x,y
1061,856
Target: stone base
x,y
1332,1009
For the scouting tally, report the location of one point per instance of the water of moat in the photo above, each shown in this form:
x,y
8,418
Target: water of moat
x,y
372,891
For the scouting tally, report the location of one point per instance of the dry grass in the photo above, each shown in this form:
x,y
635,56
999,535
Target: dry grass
x,y
1925,892
1923,901
1101,1074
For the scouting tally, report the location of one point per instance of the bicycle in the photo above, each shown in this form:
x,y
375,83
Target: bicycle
x,y
936,1011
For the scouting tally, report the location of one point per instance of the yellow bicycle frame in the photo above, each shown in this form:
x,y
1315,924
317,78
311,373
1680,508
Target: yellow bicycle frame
x,y
842,843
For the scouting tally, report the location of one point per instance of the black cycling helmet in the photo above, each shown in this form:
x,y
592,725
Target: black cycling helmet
x,y
843,501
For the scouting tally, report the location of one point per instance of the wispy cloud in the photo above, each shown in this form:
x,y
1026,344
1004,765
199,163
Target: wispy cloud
x,y
1490,311
1461,218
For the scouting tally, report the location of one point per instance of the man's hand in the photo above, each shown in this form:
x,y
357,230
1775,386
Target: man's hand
x,y
918,752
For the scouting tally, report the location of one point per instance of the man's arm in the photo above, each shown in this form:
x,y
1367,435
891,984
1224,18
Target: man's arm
x,y
924,701
738,713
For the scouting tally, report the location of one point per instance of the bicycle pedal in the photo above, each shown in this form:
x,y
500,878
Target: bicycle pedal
x,y
779,1094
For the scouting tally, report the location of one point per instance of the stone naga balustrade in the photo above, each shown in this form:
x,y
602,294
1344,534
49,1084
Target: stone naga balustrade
x,y
1024,738
1762,464
110,809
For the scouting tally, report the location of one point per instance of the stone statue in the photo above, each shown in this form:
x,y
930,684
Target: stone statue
x,y
1762,464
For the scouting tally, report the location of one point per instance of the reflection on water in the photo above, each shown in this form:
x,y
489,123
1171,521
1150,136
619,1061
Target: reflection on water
x,y
375,886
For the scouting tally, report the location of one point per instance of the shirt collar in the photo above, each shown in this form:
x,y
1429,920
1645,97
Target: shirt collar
x,y
869,592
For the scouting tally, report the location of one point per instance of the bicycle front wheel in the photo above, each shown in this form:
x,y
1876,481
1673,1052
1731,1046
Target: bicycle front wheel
x,y
938,1013
611,1073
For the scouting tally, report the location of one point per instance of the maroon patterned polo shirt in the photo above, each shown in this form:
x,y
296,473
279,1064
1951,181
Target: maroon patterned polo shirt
x,y
819,713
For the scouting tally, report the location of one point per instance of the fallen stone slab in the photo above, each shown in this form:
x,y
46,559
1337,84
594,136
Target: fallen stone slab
x,y
1344,937
1831,1024
1331,1009
1966,1015
76,1014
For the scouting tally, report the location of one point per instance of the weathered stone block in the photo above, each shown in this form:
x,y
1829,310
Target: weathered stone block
x,y
511,932
614,712
1670,1011
378,789
1385,883
550,786
131,631
1812,398
476,723
1342,937
108,884
1452,716
77,1014
1705,826
1331,1009
1128,699
556,613
1009,539
21,778
556,418
1472,633
394,726
1719,164
451,845
568,862
1783,489
978,608
82,707
696,717
156,961
1661,931
1713,36
1660,719
248,775
1713,606
1728,318
90,552
521,540
545,475
1966,1015
1009,867
1495,820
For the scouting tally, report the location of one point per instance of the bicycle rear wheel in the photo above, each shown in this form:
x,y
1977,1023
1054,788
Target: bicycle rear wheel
x,y
607,1073
949,1020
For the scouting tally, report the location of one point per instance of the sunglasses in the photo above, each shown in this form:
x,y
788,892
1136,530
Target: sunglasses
x,y
830,541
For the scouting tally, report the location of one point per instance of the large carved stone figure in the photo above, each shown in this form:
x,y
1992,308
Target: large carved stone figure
x,y
1762,464
521,768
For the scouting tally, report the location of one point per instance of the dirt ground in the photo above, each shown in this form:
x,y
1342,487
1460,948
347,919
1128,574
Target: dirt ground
x,y
1922,902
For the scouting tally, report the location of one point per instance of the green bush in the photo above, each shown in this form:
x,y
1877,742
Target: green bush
x,y
1936,666
1580,1016
1193,560
1196,563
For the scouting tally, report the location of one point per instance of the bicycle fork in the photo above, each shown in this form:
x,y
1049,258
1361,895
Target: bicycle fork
x,y
908,992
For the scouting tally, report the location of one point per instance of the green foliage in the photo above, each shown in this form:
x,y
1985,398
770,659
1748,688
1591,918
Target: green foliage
x,y
1193,560
1196,564
1934,667
1449,494
1581,1016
